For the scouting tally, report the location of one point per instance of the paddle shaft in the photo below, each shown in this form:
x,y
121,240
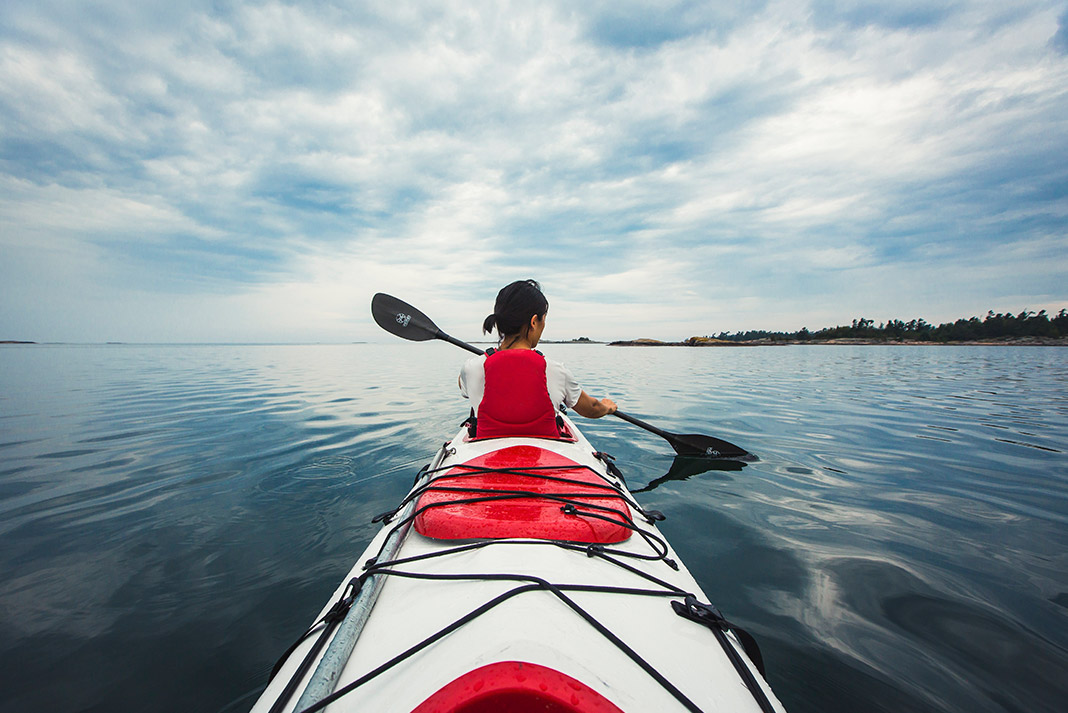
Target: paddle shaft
x,y
642,424
463,345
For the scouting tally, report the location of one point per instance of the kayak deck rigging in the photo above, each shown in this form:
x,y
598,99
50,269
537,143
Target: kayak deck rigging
x,y
495,496
517,504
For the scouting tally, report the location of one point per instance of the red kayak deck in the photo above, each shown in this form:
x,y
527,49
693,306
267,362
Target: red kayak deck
x,y
523,491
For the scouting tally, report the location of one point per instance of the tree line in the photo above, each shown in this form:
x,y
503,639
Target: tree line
x,y
994,326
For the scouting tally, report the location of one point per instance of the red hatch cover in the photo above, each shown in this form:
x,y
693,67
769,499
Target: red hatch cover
x,y
517,688
444,518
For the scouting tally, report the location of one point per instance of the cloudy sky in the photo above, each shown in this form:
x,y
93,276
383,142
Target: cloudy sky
x,y
231,171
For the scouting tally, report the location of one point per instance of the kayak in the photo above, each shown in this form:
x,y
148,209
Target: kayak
x,y
520,574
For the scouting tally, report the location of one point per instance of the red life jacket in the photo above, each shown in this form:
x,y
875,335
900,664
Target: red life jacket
x,y
516,399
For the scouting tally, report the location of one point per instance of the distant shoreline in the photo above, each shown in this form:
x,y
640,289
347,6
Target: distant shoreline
x,y
847,341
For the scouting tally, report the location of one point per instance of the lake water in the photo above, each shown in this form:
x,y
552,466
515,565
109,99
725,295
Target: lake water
x,y
172,517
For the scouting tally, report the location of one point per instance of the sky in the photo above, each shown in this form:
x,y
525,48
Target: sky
x,y
254,172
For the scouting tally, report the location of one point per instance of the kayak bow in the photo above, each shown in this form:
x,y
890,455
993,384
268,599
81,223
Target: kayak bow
x,y
520,574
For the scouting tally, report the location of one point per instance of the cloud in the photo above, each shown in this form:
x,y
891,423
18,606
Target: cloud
x,y
264,164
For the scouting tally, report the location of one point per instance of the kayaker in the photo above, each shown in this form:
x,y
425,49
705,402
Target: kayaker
x,y
514,389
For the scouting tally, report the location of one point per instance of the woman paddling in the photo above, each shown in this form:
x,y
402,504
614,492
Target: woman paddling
x,y
514,390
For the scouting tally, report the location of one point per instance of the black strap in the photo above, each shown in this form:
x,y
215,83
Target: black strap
x,y
609,461
711,617
327,624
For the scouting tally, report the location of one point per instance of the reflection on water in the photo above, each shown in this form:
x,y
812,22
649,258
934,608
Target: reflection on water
x,y
686,467
173,516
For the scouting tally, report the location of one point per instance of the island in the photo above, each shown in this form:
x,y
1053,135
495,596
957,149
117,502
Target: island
x,y
580,340
1027,328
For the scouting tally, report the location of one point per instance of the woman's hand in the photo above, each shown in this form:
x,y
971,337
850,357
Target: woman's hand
x,y
594,408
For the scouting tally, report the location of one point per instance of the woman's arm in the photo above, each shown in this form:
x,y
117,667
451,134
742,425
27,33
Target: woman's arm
x,y
594,408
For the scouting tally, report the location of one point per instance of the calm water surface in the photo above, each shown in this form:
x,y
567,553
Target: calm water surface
x,y
173,516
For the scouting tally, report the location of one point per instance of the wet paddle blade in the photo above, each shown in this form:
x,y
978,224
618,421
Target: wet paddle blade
x,y
695,444
401,319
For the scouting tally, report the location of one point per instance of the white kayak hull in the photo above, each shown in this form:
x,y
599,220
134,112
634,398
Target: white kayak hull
x,y
601,615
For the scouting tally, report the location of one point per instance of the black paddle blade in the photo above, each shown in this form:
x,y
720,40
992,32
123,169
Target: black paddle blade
x,y
695,444
401,319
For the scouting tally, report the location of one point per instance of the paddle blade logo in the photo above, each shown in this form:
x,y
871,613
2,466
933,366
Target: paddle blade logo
x,y
403,319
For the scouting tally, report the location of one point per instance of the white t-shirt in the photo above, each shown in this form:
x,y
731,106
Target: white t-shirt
x,y
564,391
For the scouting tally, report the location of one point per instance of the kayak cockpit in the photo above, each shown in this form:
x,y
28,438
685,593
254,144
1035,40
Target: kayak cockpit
x,y
516,687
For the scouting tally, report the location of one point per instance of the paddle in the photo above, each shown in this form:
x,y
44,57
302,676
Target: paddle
x,y
401,319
